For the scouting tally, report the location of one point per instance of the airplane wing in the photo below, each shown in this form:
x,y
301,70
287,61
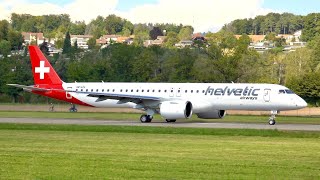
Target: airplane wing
x,y
124,98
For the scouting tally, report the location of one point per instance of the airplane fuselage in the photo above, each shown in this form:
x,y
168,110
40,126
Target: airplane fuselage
x,y
203,96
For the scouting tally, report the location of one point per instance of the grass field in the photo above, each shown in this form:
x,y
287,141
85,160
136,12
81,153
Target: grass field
x,y
136,116
113,152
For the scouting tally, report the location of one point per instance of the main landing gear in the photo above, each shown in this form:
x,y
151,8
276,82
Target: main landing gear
x,y
146,118
272,120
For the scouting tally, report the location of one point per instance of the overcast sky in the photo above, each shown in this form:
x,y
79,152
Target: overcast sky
x,y
203,15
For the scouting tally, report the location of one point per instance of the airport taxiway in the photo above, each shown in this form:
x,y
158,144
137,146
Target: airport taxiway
x,y
295,127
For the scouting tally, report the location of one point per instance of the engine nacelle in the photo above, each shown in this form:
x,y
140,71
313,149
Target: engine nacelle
x,y
214,114
176,109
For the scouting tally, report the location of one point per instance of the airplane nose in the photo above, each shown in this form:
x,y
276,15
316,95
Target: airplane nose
x,y
302,103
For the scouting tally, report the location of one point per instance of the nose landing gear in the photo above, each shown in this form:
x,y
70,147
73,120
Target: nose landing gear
x,y
272,120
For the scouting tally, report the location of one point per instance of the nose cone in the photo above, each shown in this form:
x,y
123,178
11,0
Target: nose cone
x,y
301,103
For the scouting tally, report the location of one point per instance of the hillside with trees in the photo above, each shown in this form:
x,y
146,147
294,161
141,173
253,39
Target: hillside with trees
x,y
285,23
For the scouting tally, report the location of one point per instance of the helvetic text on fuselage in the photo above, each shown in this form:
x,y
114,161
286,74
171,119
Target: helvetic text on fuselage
x,y
245,93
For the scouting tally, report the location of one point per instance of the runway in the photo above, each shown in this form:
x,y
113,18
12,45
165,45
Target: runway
x,y
295,127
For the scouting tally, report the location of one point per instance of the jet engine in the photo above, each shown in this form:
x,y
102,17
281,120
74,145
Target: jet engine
x,y
214,114
176,109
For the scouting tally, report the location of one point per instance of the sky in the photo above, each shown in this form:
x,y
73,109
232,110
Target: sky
x,y
203,15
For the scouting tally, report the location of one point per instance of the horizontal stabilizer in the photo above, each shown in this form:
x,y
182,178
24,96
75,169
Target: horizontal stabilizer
x,y
29,88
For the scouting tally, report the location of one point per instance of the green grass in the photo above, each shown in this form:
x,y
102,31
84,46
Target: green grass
x,y
113,152
136,116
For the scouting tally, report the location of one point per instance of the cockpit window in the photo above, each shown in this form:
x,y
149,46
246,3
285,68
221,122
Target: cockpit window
x,y
282,91
288,91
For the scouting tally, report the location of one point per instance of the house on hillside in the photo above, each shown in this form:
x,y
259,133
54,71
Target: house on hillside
x,y
184,43
125,40
253,38
33,38
81,40
198,37
159,41
107,39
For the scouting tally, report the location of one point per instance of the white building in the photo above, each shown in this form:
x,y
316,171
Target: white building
x,y
81,40
30,37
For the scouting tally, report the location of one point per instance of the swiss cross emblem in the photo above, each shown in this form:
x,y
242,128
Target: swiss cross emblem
x,y
42,69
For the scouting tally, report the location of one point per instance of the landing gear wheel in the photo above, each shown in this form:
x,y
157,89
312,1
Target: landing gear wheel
x,y
272,122
170,120
146,118
149,117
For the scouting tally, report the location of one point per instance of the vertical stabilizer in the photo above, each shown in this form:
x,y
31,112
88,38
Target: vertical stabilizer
x,y
43,73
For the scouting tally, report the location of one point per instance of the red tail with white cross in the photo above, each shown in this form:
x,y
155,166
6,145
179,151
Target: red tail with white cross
x,y
43,73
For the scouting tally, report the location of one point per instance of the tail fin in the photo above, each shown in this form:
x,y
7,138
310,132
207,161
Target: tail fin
x,y
43,73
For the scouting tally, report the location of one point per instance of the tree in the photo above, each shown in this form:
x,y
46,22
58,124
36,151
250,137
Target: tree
x,y
67,44
179,66
122,58
243,43
127,29
310,89
5,48
155,32
96,27
44,48
16,39
78,28
185,33
311,26
145,59
91,43
271,37
4,30
114,24
141,32
75,47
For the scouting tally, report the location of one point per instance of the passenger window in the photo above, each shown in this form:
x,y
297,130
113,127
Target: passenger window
x,y
191,91
126,90
159,90
91,90
112,90
165,91
131,90
197,91
148,90
120,90
179,91
137,90
142,90
203,91
152,90
97,90
76,89
102,90
186,91
81,90
107,90
171,90
86,90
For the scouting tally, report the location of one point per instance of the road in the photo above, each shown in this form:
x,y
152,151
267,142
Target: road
x,y
297,127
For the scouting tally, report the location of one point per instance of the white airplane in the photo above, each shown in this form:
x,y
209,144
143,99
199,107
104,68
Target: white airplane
x,y
171,100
